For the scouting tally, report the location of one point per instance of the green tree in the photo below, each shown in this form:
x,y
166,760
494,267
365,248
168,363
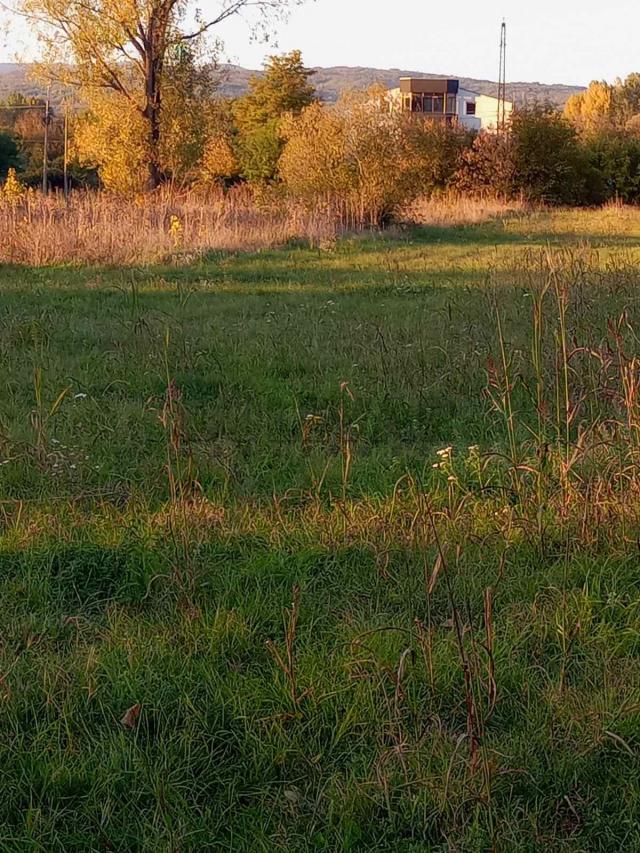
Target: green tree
x,y
9,154
615,160
284,89
549,163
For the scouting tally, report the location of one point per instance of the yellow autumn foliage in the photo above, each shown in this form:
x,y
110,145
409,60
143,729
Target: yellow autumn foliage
x,y
591,110
370,156
110,137
219,162
12,190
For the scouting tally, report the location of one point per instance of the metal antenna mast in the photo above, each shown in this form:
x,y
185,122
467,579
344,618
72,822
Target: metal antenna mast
x,y
502,78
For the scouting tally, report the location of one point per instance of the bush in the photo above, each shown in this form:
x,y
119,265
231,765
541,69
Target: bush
x,y
434,151
370,158
615,159
219,162
487,167
259,150
314,160
12,191
550,165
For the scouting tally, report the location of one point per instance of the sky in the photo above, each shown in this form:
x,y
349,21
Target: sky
x,y
550,41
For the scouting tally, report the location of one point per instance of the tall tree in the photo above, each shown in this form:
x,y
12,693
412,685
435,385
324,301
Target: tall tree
x,y
627,99
125,46
592,110
604,106
111,137
284,89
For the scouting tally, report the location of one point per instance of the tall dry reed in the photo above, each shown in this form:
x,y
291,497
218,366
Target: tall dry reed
x,y
96,228
452,209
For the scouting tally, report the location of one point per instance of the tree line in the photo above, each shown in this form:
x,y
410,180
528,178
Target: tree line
x,y
359,151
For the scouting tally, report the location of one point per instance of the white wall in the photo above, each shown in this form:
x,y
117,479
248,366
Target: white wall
x,y
487,111
486,117
470,122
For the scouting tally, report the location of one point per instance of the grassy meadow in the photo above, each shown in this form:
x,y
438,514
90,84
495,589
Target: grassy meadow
x,y
326,549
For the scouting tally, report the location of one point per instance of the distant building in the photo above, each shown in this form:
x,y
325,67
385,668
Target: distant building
x,y
445,100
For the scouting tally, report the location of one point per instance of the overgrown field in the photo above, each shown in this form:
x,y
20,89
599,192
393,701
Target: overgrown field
x,y
326,549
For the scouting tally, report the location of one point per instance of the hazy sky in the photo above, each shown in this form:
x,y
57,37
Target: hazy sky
x,y
567,41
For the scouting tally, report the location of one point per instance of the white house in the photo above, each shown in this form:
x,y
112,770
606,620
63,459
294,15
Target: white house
x,y
445,100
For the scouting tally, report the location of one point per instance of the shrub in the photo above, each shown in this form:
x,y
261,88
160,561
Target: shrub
x,y
219,162
433,154
314,160
352,151
549,163
615,159
259,150
487,167
13,190
374,160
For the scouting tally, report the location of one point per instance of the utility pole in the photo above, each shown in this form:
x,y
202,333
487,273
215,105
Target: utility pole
x,y
66,150
45,144
502,80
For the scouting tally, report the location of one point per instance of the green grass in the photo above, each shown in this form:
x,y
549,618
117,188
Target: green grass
x,y
151,543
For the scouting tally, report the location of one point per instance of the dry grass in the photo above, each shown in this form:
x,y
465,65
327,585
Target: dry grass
x,y
453,209
95,228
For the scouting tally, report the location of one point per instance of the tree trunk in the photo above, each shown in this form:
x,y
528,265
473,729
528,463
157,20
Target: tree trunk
x,y
155,173
153,108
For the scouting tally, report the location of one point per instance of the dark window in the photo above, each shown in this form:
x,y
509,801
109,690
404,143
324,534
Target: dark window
x,y
416,106
438,103
451,104
471,108
428,103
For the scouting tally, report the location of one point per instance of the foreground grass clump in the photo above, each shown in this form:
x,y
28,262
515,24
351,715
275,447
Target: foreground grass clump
x,y
326,550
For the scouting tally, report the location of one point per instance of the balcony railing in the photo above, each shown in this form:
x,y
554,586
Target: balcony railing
x,y
436,105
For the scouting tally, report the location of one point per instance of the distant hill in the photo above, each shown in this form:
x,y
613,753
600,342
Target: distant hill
x,y
14,78
330,83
